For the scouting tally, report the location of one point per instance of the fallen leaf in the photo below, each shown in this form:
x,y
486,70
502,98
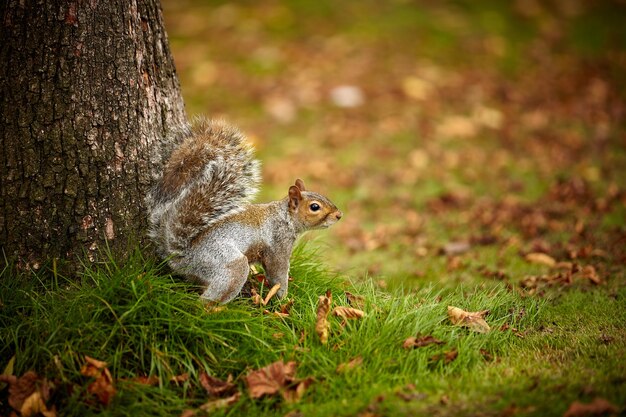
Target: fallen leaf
x,y
146,380
540,258
420,341
474,320
284,309
20,388
275,313
447,357
295,394
177,379
271,293
356,301
598,407
215,387
409,393
28,394
455,248
486,355
102,386
270,379
347,96
256,297
278,377
346,366
416,88
454,263
262,279
35,404
456,126
321,324
218,403
348,312
589,272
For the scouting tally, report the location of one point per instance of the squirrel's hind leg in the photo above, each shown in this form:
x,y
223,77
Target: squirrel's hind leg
x,y
223,278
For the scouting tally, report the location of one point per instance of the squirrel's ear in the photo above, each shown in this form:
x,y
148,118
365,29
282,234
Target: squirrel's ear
x,y
294,197
300,184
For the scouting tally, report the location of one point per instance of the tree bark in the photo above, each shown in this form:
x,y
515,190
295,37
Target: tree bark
x,y
88,98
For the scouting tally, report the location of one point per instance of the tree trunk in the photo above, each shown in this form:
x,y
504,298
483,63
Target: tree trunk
x,y
88,94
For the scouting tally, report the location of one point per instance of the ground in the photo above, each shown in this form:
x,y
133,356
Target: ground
x,y
478,152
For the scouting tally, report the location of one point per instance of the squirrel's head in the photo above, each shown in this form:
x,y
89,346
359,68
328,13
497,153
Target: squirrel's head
x,y
311,210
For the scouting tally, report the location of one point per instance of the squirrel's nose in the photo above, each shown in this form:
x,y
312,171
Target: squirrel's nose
x,y
338,215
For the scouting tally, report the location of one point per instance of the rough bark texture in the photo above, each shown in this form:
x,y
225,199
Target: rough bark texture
x,y
88,94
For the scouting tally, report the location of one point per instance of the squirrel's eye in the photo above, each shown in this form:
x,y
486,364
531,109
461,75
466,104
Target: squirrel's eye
x,y
314,207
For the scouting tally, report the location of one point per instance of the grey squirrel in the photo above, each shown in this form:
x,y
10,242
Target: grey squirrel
x,y
202,221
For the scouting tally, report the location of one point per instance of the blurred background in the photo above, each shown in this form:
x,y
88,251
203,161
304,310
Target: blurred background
x,y
451,133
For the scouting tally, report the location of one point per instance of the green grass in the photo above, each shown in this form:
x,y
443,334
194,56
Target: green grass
x,y
143,322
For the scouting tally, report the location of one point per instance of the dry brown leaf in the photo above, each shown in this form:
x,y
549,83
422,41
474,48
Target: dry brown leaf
x,y
20,388
215,387
347,366
420,341
356,301
218,403
177,379
598,407
474,320
270,379
486,355
29,394
278,377
348,312
294,394
541,258
321,324
262,279
34,405
145,380
275,313
589,272
447,357
284,309
102,387
271,293
256,297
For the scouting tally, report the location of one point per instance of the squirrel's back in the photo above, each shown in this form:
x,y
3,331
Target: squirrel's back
x,y
213,173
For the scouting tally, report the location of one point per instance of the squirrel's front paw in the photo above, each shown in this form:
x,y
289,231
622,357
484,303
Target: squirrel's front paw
x,y
282,291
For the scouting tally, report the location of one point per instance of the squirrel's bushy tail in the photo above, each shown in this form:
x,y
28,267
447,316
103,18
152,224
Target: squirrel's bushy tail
x,y
211,174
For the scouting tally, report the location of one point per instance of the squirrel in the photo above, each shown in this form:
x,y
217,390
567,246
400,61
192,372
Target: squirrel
x,y
202,221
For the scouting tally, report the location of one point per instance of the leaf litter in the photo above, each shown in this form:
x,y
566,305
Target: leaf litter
x,y
29,394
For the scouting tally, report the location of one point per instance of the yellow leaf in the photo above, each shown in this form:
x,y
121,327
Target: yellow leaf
x,y
474,320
